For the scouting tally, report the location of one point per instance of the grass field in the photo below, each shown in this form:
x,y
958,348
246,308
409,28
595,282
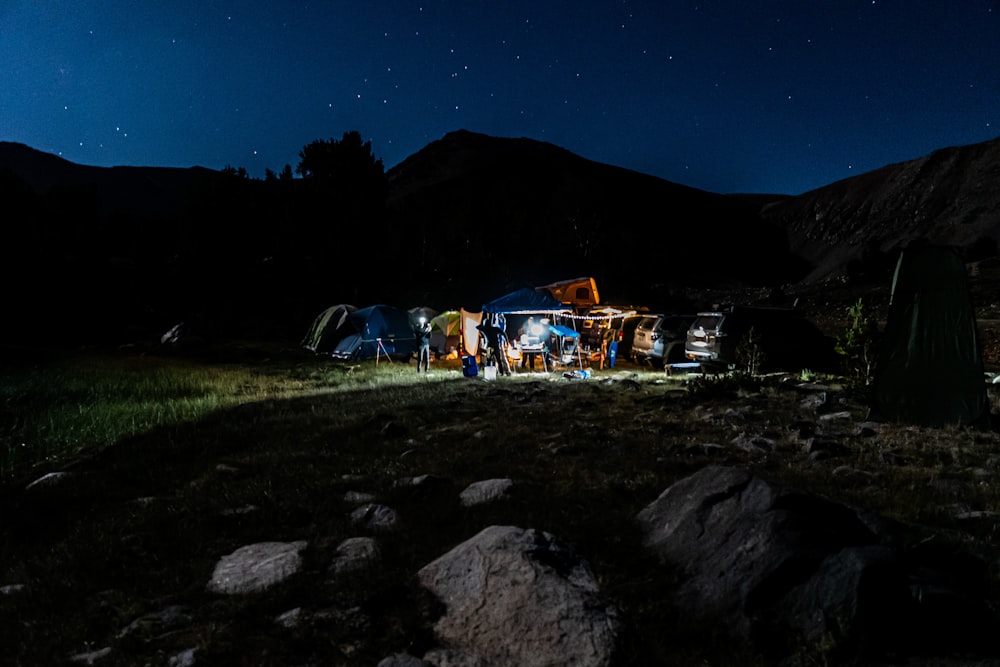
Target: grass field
x,y
174,461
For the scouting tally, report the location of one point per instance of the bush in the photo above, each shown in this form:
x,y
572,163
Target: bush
x,y
857,346
750,354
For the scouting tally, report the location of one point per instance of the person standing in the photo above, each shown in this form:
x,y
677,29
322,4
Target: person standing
x,y
528,338
423,335
545,339
495,338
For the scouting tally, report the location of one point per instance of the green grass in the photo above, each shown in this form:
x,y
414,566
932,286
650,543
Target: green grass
x,y
68,407
74,407
162,450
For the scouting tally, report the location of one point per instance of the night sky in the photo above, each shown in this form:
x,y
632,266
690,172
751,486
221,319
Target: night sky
x,y
723,95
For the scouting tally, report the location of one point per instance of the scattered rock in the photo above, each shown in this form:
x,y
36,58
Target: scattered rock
x,y
290,618
91,657
787,571
256,567
403,660
157,622
185,658
737,415
428,480
358,497
508,582
421,481
814,401
374,517
353,554
824,448
754,444
628,384
238,511
964,513
48,480
485,491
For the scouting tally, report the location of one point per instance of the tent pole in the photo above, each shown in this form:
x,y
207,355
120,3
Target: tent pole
x,y
381,347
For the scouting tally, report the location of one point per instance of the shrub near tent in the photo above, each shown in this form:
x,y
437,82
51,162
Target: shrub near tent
x,y
929,369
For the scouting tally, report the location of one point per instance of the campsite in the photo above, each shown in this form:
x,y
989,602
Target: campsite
x,y
233,393
252,444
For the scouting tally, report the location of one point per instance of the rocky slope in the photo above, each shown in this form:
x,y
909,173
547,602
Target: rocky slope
x,y
948,197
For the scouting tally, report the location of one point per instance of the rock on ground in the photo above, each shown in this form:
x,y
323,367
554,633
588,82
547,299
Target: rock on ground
x,y
478,493
791,572
256,567
517,597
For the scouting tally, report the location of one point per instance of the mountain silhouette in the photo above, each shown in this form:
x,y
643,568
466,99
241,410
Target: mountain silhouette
x,y
466,218
533,213
948,197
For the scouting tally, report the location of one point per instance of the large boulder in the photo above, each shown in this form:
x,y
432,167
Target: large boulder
x,y
517,597
791,572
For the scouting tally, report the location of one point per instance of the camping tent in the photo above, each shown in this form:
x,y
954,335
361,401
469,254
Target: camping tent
x,y
581,293
929,369
328,328
445,329
375,331
524,301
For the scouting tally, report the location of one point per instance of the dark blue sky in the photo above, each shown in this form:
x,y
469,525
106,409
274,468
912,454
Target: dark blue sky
x,y
724,95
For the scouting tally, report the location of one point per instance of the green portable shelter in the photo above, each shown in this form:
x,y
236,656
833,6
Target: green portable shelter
x,y
929,369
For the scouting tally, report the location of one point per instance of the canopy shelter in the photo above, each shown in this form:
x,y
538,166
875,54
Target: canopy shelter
x,y
525,301
929,370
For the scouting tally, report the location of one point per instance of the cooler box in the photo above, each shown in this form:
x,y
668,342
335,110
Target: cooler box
x,y
469,367
489,372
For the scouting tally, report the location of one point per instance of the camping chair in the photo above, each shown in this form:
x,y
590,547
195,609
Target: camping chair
x,y
566,354
513,355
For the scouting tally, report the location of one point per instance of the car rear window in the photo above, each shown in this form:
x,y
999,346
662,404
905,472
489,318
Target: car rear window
x,y
648,323
707,322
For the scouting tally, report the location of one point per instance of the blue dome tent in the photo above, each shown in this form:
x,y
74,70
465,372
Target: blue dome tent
x,y
366,333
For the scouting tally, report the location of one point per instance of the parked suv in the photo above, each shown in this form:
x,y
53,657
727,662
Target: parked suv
x,y
660,338
787,340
